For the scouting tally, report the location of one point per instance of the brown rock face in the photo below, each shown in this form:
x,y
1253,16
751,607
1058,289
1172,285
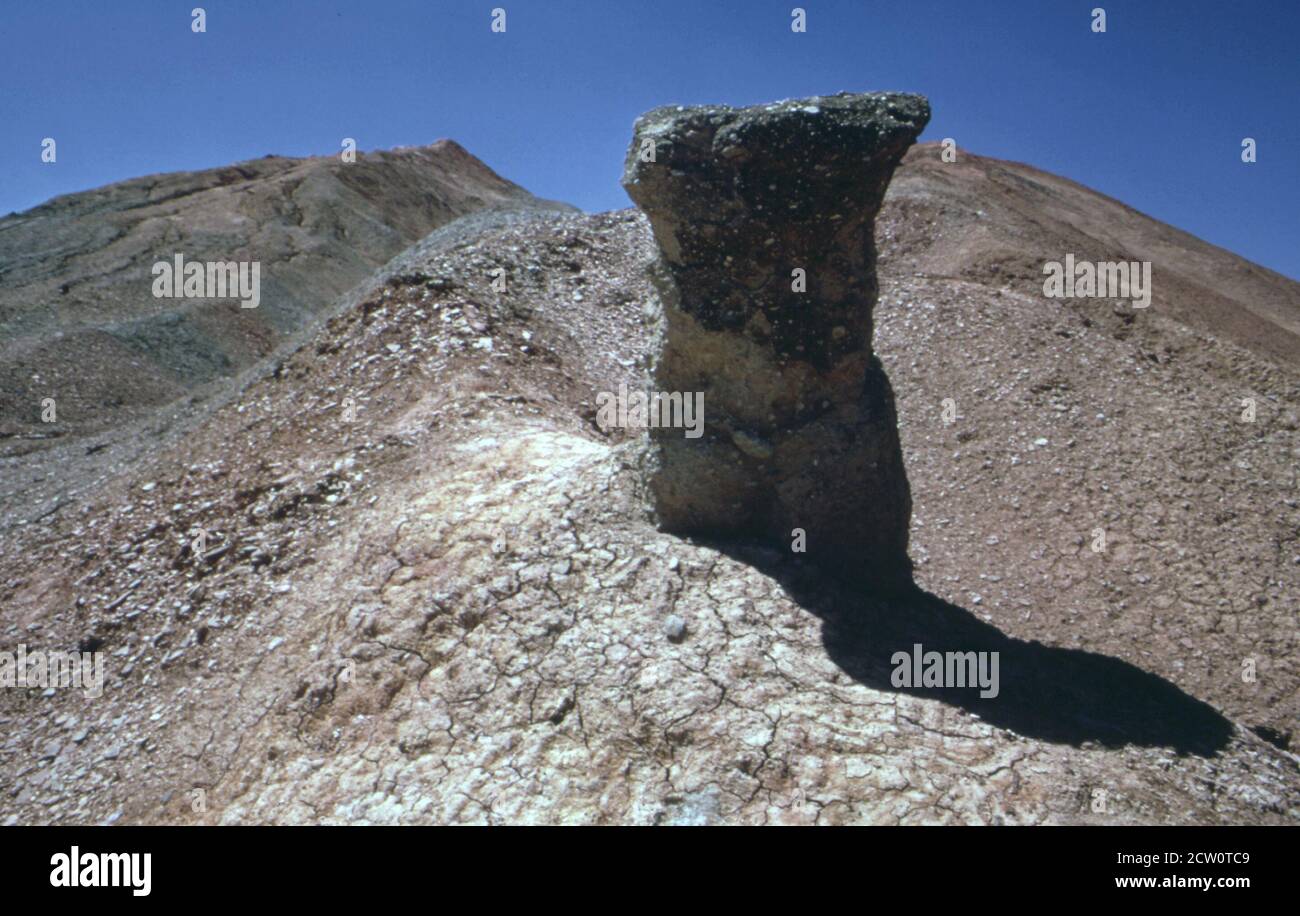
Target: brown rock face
x,y
764,217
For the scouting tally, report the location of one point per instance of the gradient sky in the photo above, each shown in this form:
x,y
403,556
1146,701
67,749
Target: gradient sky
x,y
1152,112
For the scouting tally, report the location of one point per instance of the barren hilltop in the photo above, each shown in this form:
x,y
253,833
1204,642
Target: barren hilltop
x,y
76,314
431,591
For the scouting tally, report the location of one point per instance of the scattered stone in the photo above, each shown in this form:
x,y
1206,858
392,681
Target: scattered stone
x,y
675,628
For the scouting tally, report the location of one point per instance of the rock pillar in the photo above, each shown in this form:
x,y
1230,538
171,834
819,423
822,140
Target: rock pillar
x,y
764,217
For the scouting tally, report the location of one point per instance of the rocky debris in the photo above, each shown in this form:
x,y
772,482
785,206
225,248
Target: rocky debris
x,y
132,371
764,217
82,327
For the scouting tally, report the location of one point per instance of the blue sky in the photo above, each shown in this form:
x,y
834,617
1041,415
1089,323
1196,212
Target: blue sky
x,y
1152,112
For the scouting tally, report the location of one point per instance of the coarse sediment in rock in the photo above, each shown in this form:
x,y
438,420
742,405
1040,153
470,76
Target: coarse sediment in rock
x,y
765,217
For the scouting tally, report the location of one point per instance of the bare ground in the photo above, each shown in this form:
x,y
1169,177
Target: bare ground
x,y
447,603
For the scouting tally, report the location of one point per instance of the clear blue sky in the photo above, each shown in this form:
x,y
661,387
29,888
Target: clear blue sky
x,y
1152,112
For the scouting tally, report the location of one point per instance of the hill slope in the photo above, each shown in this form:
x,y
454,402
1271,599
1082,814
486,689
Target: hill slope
x,y
1002,220
78,320
1141,410
79,323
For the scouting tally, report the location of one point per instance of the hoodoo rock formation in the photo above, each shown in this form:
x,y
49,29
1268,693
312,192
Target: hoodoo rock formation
x,y
764,217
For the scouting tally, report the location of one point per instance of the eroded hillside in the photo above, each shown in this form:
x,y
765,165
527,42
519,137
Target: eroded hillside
x,y
82,333
430,591
78,319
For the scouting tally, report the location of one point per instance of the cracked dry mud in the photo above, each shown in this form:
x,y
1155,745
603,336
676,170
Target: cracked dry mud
x,y
455,608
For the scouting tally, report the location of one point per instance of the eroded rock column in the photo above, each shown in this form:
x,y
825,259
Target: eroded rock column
x,y
764,217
